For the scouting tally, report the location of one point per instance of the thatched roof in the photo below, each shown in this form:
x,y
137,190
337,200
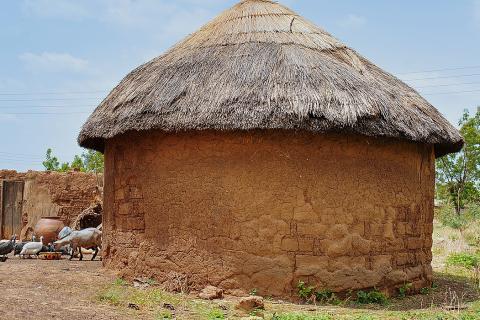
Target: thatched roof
x,y
261,66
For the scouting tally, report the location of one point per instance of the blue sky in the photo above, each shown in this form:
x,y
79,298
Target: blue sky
x,y
59,58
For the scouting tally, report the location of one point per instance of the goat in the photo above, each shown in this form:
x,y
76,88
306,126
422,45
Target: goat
x,y
86,238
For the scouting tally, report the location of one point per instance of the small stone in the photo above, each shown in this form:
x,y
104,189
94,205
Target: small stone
x,y
210,293
168,306
250,304
133,306
141,283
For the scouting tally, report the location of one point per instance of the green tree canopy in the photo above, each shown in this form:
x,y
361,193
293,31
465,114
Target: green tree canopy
x,y
51,162
458,174
89,161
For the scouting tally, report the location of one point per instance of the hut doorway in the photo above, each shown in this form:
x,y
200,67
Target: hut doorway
x,y
11,206
89,218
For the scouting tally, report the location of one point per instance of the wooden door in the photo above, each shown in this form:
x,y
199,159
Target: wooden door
x,y
11,214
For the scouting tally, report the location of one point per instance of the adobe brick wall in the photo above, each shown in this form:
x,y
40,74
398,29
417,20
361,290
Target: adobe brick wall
x,y
54,194
264,210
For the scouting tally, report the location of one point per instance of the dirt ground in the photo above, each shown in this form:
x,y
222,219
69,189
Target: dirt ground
x,y
38,289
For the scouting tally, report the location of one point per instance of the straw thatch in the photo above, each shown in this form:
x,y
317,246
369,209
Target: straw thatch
x,y
261,66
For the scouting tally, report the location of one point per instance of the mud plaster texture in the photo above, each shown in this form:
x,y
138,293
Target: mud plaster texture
x,y
54,194
264,210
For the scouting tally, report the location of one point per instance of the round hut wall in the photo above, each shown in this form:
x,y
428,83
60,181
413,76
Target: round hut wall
x,y
265,209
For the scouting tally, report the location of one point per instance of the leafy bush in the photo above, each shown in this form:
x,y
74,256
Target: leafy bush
x,y
305,292
404,290
373,296
463,259
449,218
325,296
309,294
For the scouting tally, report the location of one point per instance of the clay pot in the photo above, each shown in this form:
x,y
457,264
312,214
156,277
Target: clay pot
x,y
48,228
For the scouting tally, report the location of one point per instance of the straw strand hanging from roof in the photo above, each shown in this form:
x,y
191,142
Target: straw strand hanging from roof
x,y
261,66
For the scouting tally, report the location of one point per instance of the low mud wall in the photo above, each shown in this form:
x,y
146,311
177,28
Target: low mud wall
x,y
54,194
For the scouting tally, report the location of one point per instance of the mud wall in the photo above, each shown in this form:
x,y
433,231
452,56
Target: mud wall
x,y
54,194
265,210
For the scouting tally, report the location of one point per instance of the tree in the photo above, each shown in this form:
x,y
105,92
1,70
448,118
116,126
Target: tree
x,y
78,164
51,162
89,161
458,174
93,161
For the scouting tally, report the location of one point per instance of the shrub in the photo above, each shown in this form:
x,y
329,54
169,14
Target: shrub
x,y
373,296
309,294
404,290
325,296
305,292
448,217
463,259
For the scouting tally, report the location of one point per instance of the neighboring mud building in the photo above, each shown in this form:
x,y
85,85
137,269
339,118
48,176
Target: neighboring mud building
x,y
27,197
261,151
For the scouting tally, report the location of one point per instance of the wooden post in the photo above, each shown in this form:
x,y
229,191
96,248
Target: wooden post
x,y
1,208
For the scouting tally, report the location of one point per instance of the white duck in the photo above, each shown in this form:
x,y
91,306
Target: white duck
x,y
32,248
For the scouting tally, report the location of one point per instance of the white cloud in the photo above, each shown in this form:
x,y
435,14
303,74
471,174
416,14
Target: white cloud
x,y
53,62
353,21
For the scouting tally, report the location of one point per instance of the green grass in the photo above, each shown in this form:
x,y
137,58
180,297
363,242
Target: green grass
x,y
463,259
216,314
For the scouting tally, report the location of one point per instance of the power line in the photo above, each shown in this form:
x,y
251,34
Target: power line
x,y
18,154
42,113
47,99
448,85
445,77
19,158
20,161
46,106
440,70
49,93
452,92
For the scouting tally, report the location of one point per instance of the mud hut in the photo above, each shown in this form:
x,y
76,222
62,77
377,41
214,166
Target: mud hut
x,y
260,151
